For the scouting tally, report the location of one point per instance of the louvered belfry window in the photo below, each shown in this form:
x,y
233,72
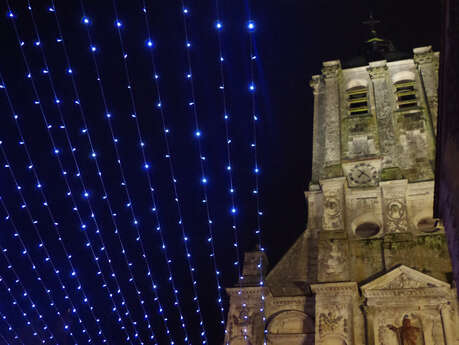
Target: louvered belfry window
x,y
405,92
357,98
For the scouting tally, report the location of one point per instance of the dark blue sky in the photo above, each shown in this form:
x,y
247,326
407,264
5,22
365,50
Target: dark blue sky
x,y
293,38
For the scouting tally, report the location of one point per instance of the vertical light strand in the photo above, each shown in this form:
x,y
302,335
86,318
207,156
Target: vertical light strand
x,y
219,26
22,312
55,223
87,199
251,28
11,329
202,158
69,193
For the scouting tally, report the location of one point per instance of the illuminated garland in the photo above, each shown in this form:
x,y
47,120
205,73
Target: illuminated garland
x,y
251,28
70,194
204,178
11,330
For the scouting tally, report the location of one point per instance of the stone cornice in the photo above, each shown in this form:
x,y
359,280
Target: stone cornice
x,y
277,301
417,292
247,291
333,289
331,69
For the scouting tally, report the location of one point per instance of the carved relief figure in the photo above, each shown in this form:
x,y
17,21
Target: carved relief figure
x,y
332,213
407,334
396,216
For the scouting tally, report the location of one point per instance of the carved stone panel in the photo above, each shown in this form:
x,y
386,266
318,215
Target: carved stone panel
x,y
396,218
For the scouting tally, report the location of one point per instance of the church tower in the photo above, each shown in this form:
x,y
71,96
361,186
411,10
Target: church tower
x,y
372,267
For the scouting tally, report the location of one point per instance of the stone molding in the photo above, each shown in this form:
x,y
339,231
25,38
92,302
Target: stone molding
x,y
247,291
280,301
405,282
334,289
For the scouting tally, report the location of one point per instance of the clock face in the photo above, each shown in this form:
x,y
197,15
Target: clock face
x,y
363,174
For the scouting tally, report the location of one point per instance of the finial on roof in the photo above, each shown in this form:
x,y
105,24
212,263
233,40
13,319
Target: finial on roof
x,y
371,22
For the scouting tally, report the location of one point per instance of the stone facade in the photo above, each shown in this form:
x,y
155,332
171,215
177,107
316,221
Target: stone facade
x,y
372,266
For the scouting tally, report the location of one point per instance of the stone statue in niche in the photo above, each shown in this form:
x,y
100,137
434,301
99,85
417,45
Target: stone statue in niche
x,y
407,334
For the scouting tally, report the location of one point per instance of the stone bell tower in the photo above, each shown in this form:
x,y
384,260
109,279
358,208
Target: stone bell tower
x,y
372,266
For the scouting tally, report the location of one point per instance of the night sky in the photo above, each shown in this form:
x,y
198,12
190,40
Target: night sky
x,y
292,39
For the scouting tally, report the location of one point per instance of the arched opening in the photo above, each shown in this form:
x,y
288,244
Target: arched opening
x,y
367,229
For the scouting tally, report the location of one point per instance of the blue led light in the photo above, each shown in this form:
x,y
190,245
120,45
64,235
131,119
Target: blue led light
x,y
149,43
251,25
218,25
118,23
85,20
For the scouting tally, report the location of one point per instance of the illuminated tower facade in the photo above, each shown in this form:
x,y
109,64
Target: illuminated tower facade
x,y
373,266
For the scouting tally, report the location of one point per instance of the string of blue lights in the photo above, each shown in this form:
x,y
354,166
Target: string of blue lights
x,y
86,131
11,330
42,245
112,213
45,203
94,237
228,140
91,208
24,315
70,194
193,108
24,292
255,116
169,156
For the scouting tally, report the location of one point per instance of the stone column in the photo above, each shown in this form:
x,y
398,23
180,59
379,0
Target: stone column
x,y
383,99
317,148
331,112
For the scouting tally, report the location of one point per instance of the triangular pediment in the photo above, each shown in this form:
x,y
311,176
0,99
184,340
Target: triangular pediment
x,y
401,278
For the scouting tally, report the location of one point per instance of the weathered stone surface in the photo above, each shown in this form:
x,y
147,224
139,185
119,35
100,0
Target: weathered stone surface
x,y
373,265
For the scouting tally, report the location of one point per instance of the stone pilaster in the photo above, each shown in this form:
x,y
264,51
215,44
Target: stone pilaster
x,y
331,72
245,325
426,65
317,153
384,106
336,319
